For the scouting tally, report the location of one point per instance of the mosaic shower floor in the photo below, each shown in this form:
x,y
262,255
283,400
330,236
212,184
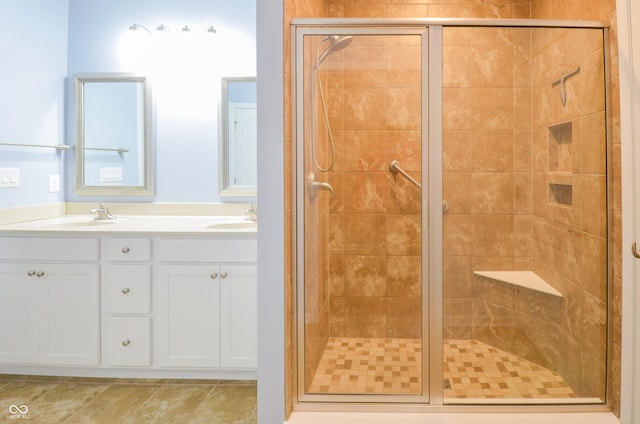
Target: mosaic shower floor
x,y
472,370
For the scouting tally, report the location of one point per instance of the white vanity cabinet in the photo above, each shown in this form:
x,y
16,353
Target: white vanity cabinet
x,y
126,301
206,300
49,307
111,304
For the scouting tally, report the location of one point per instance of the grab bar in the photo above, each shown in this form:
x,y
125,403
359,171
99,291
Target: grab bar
x,y
394,166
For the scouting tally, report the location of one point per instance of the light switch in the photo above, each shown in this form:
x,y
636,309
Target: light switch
x,y
9,177
111,175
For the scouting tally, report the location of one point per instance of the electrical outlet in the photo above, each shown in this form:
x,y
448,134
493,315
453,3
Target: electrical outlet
x,y
54,183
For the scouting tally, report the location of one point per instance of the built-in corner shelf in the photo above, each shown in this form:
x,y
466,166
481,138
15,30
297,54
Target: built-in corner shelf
x,y
560,179
527,279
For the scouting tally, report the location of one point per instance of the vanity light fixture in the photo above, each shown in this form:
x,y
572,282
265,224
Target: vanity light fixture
x,y
136,27
163,28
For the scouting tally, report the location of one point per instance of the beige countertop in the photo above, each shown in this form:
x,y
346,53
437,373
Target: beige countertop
x,y
139,224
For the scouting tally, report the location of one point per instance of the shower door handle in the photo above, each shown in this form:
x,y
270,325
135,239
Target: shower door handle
x,y
634,250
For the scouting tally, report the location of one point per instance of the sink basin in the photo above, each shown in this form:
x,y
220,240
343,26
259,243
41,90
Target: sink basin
x,y
240,225
83,221
92,223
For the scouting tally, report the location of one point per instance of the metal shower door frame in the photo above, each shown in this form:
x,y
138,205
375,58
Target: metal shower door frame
x,y
431,220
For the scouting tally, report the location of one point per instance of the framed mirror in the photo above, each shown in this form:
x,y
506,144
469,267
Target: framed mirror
x,y
238,147
113,135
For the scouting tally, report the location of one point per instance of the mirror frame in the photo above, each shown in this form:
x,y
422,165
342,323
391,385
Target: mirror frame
x,y
147,188
227,190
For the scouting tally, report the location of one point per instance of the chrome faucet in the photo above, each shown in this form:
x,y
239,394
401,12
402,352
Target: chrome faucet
x,y
252,212
102,212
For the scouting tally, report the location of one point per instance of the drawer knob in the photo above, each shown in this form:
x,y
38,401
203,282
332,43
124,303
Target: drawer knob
x,y
214,276
39,273
125,250
224,275
31,273
126,342
125,290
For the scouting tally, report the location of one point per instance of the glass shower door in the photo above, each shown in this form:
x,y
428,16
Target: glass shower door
x,y
525,277
361,247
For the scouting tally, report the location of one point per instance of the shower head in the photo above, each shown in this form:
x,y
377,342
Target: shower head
x,y
337,43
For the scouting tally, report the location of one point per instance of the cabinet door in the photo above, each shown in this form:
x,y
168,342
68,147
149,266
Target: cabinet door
x,y
239,316
69,326
18,314
188,330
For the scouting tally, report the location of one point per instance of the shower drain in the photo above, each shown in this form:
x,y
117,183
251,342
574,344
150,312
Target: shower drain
x,y
447,384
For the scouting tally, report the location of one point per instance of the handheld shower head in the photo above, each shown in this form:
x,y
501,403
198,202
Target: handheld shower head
x,y
337,43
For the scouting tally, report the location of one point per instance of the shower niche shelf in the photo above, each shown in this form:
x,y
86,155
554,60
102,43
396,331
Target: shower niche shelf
x,y
560,176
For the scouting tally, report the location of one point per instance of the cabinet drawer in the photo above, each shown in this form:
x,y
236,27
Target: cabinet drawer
x,y
128,341
127,289
207,250
126,249
49,249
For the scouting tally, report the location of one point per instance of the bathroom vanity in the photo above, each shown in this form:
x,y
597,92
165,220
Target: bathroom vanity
x,y
141,296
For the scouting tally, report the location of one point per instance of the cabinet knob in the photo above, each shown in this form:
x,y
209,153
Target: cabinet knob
x,y
214,275
31,273
39,273
125,290
125,250
126,342
224,275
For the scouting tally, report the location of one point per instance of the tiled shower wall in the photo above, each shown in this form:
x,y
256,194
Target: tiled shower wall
x,y
603,10
542,9
375,220
569,158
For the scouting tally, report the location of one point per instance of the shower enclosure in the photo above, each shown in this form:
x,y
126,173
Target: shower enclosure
x,y
451,202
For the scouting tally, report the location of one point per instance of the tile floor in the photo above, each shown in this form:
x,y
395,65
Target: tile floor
x,y
363,365
72,400
478,370
473,370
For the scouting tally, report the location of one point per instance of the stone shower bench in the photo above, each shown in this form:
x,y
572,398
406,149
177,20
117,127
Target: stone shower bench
x,y
526,279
